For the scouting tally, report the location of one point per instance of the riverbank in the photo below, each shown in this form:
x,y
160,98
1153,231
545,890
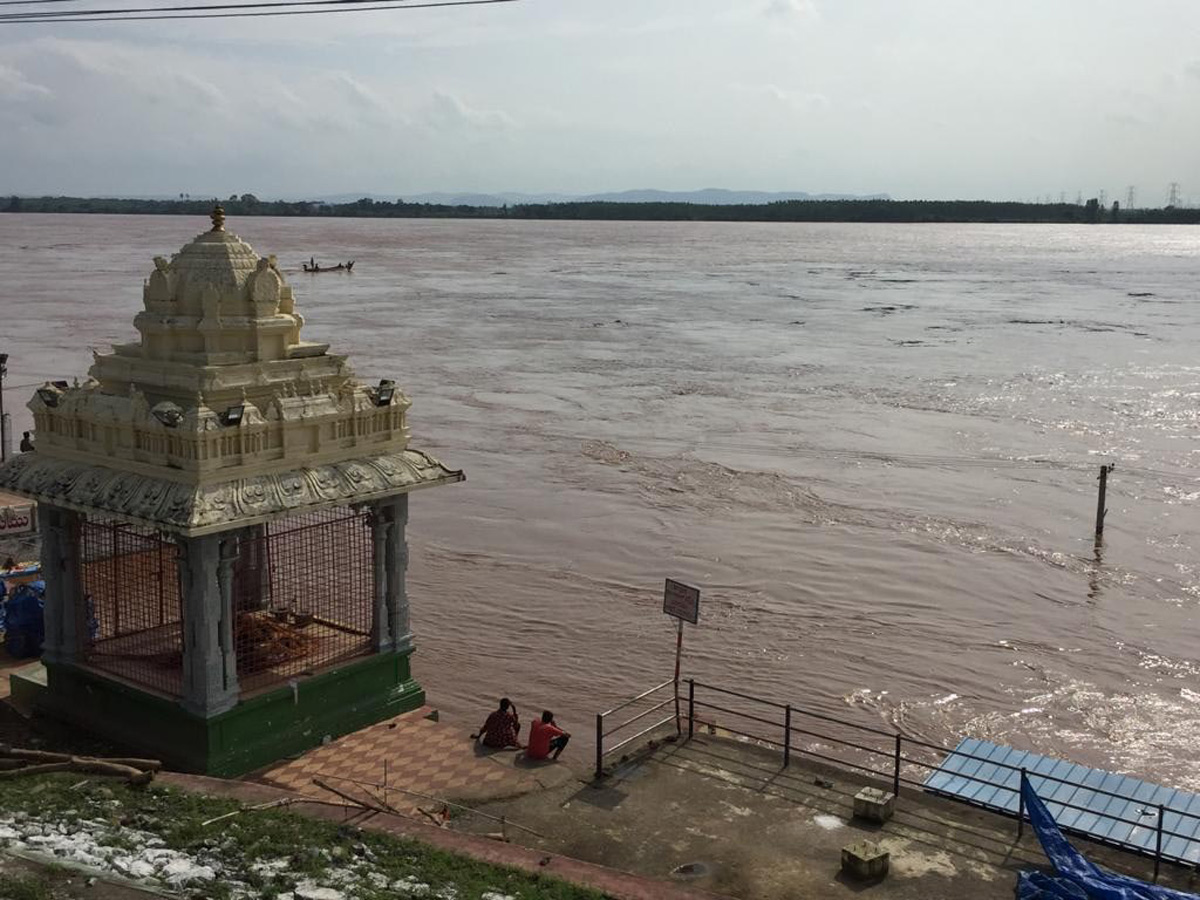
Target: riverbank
x,y
385,806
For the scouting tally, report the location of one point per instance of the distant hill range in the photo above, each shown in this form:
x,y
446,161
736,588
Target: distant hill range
x,y
707,196
658,206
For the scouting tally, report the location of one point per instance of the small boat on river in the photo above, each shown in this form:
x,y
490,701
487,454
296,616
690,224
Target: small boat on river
x,y
313,266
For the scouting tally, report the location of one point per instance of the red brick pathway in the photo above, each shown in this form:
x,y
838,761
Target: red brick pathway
x,y
417,754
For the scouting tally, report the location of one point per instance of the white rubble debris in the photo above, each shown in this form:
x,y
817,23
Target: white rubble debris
x,y
829,823
131,852
408,886
309,891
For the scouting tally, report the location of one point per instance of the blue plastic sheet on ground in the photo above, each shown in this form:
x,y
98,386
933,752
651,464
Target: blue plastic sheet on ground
x,y
1076,878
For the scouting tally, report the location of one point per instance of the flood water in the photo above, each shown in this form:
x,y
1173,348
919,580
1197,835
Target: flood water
x,y
873,447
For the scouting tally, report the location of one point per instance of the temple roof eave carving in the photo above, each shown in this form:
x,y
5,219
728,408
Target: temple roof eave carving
x,y
189,509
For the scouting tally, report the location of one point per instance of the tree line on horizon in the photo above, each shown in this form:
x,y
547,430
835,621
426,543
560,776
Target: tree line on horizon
x,y
981,211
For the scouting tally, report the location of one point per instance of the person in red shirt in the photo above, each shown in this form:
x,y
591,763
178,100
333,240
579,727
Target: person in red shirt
x,y
501,728
545,736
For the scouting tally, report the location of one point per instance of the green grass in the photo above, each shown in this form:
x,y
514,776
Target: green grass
x,y
311,847
24,887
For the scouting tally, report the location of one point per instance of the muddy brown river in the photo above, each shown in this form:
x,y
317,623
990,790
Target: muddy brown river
x,y
873,448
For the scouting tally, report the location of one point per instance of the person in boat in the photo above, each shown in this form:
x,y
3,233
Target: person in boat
x,y
501,728
545,736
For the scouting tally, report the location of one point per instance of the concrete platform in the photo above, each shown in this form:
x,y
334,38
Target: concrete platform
x,y
609,882
726,817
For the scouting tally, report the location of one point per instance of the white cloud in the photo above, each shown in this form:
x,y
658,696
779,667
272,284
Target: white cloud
x,y
15,86
800,101
792,9
446,112
577,97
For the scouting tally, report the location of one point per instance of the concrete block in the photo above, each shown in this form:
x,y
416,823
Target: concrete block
x,y
874,805
865,861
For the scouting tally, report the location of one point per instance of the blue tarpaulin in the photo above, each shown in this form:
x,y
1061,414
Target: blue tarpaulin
x,y
1076,878
22,622
1104,806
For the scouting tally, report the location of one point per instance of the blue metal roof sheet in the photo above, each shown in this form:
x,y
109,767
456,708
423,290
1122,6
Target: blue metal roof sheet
x,y
989,775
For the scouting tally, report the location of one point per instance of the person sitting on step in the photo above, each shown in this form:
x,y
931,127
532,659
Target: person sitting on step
x,y
501,728
545,736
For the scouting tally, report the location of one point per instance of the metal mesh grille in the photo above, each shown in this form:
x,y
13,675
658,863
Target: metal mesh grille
x,y
303,596
132,612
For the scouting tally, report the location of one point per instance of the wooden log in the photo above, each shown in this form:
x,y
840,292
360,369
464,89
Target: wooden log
x,y
35,755
11,757
104,767
18,763
146,765
37,770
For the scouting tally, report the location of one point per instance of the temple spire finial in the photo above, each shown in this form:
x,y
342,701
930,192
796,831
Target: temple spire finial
x,y
218,218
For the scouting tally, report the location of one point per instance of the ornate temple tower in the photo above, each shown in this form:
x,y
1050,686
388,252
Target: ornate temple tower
x,y
222,511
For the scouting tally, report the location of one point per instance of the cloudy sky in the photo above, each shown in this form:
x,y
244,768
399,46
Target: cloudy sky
x,y
917,98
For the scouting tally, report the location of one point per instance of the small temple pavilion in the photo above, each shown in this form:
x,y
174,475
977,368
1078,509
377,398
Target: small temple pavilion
x,y
222,510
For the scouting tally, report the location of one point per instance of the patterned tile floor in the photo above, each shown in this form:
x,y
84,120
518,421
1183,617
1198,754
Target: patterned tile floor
x,y
417,754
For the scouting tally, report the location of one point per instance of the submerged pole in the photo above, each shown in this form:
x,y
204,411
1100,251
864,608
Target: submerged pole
x,y
1100,509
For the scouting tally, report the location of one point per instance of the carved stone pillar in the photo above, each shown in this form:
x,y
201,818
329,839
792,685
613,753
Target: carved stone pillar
x,y
205,575
230,546
73,604
381,634
50,528
397,569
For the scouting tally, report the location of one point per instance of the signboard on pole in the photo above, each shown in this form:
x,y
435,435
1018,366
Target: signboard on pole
x,y
681,601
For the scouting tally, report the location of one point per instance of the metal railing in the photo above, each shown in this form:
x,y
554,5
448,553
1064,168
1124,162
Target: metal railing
x,y
893,759
651,699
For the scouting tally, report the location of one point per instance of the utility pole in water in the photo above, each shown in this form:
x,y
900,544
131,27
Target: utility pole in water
x,y
1100,509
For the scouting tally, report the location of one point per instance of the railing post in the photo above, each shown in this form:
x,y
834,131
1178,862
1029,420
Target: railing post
x,y
787,735
1158,844
896,771
599,745
691,707
1021,807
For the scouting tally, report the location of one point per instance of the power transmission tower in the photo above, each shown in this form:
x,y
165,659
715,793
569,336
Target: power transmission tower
x,y
1103,198
1130,197
1173,194
1079,198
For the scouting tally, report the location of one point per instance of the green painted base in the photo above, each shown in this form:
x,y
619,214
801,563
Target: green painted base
x,y
253,734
